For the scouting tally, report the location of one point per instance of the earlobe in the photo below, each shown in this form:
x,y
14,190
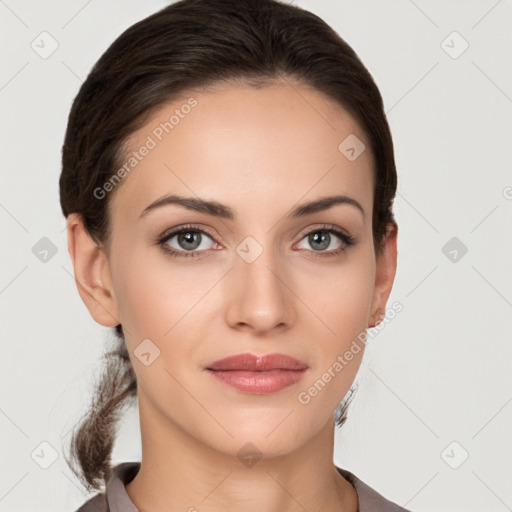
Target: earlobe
x,y
384,275
92,273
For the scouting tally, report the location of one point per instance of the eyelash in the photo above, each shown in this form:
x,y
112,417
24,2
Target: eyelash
x,y
347,240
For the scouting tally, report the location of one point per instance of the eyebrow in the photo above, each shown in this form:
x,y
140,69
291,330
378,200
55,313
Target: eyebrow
x,y
220,210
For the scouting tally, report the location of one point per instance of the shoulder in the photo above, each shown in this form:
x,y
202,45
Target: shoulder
x,y
114,498
97,503
369,499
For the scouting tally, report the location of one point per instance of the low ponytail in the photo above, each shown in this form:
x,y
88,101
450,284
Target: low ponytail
x,y
92,441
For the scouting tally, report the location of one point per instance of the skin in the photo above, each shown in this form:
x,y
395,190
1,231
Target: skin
x,y
261,152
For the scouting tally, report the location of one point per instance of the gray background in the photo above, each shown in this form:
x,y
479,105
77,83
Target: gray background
x,y
435,384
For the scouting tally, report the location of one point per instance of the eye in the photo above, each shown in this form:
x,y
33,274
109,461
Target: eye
x,y
190,240
321,239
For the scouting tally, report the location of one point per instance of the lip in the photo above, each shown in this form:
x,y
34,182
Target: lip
x,y
254,363
258,374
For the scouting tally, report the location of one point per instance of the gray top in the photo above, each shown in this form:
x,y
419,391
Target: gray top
x,y
116,499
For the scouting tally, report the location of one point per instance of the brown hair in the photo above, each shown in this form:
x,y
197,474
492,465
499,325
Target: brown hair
x,y
189,45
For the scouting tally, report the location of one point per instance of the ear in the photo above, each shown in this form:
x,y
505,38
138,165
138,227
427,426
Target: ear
x,y
384,275
92,273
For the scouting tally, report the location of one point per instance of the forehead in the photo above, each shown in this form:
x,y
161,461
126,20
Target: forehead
x,y
255,149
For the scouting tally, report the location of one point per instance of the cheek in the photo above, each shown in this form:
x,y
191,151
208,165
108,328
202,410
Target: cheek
x,y
348,302
145,299
341,295
158,298
342,306
156,304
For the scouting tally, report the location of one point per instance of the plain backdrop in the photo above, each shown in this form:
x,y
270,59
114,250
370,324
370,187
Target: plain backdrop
x,y
430,426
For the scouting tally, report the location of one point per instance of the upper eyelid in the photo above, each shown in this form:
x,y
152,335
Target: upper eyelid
x,y
323,227
176,231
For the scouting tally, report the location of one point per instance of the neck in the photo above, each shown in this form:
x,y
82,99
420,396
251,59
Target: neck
x,y
178,473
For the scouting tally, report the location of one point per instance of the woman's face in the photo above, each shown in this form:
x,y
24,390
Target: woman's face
x,y
254,282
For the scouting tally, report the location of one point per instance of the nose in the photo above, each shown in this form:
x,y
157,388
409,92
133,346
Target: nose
x,y
259,296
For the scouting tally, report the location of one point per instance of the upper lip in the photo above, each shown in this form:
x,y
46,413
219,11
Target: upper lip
x,y
254,363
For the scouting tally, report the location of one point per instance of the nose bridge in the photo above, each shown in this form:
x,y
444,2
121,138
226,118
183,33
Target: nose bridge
x,y
259,295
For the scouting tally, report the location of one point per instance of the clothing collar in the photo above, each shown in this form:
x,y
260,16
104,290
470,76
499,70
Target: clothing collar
x,y
123,473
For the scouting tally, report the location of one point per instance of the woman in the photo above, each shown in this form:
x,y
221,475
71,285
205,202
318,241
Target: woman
x,y
228,179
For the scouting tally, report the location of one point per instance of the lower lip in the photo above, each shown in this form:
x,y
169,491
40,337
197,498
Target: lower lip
x,y
258,382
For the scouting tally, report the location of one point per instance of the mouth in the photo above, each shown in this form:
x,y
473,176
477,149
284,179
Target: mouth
x,y
258,374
